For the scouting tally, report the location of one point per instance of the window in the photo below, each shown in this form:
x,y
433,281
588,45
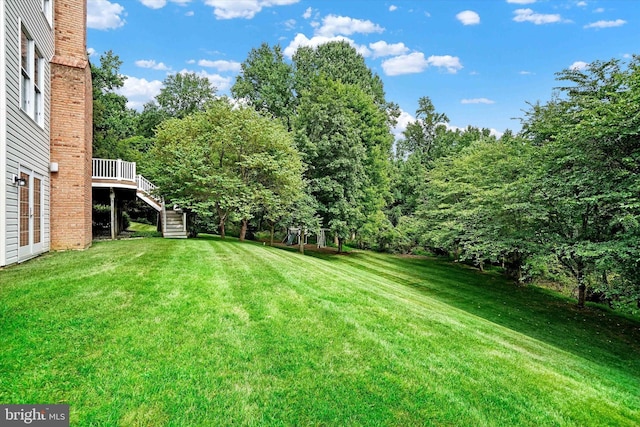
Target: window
x,y
37,87
25,82
31,78
47,9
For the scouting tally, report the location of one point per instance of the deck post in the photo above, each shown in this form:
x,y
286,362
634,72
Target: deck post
x,y
112,196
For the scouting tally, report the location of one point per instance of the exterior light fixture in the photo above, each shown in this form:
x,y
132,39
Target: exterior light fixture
x,y
19,182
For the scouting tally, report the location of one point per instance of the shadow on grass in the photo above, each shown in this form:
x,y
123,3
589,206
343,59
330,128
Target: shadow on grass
x,y
593,333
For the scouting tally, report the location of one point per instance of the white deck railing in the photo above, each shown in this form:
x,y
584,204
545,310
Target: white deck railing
x,y
118,170
144,184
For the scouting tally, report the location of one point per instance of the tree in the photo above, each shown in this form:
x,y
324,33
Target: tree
x,y
112,120
184,94
328,135
149,119
420,135
226,162
476,205
267,82
362,123
589,180
337,61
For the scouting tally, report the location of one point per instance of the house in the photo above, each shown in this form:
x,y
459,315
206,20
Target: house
x,y
45,128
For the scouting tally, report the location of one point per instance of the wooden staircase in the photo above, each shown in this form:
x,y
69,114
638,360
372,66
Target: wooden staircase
x,y
174,220
174,224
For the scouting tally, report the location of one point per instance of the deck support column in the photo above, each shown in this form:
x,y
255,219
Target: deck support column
x,y
114,226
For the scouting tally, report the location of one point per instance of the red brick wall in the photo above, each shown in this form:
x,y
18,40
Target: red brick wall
x,y
71,129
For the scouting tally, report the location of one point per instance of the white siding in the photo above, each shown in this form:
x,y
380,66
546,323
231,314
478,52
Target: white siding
x,y
27,143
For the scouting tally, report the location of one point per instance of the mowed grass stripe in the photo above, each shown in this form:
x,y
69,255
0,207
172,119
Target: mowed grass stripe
x,y
527,355
204,331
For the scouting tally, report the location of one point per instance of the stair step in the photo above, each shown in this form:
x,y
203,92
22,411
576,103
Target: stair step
x,y
174,225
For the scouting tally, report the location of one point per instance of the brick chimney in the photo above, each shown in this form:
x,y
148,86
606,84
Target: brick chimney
x,y
71,128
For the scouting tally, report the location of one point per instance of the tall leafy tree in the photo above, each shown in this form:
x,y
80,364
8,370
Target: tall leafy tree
x,y
337,61
226,163
588,180
476,204
266,80
149,119
185,93
420,135
358,93
328,135
112,120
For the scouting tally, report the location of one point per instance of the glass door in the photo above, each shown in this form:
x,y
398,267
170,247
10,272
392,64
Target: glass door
x,y
30,214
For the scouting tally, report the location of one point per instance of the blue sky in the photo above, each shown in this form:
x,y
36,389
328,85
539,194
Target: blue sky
x,y
479,61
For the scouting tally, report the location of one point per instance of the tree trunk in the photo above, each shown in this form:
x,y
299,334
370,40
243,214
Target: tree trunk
x,y
582,290
271,240
340,240
221,228
336,240
582,293
243,229
223,217
302,240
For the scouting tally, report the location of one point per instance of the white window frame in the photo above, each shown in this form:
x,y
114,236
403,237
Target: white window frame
x,y
47,9
31,91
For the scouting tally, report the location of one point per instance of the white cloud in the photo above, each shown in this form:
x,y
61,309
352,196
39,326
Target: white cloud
x,y
598,10
139,91
606,24
393,8
150,63
581,4
290,24
247,9
451,63
91,52
302,40
528,15
333,25
526,73
191,61
416,63
521,1
578,65
468,17
104,15
382,48
154,4
405,64
221,65
189,13
307,13
477,101
159,4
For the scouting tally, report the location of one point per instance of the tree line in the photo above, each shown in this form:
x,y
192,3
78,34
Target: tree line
x,y
308,142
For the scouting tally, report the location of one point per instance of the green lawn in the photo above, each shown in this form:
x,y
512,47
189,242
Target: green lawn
x,y
205,332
